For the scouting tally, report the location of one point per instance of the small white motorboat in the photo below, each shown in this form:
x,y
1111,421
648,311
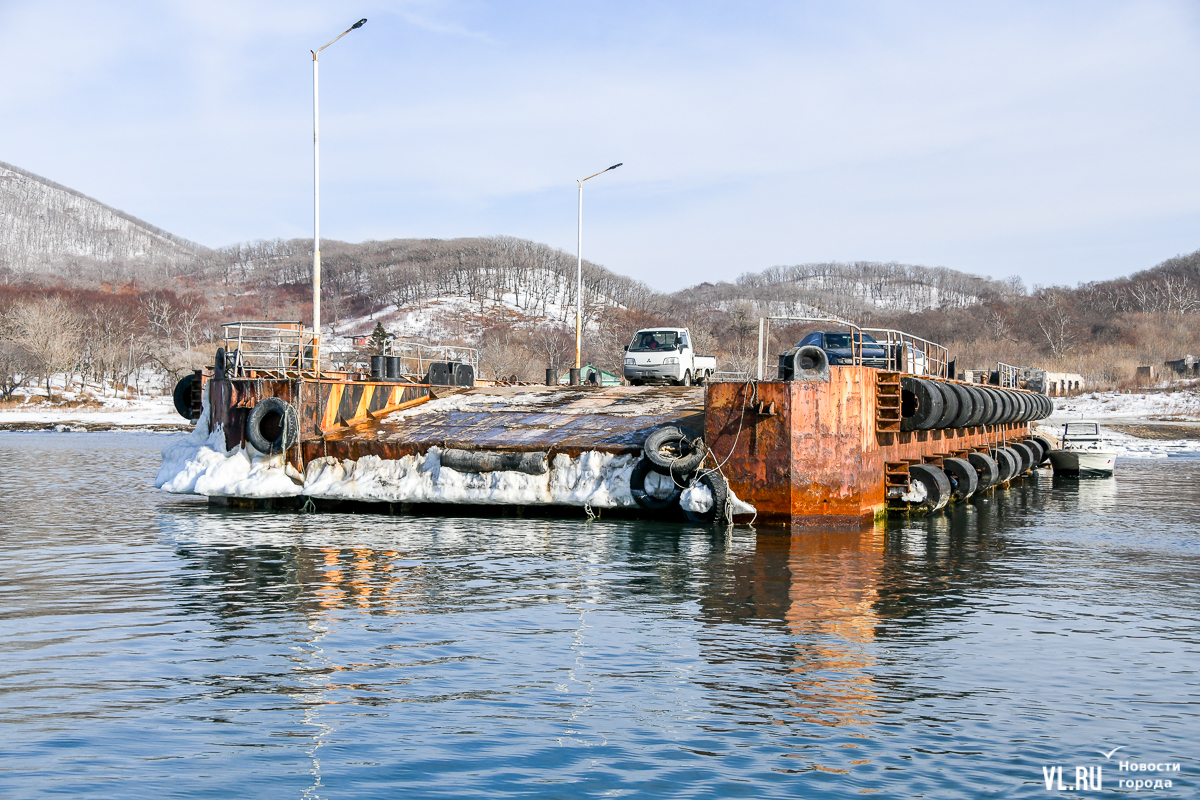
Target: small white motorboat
x,y
1080,452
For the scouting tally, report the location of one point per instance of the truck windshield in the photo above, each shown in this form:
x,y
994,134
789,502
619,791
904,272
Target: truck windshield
x,y
653,341
840,340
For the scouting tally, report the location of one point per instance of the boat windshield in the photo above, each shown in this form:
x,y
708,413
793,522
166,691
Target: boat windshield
x,y
654,341
1081,430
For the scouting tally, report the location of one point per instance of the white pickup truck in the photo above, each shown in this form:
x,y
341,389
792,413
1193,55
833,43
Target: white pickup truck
x,y
665,355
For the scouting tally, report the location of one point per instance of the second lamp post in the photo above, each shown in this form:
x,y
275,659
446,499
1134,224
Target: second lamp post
x,y
579,279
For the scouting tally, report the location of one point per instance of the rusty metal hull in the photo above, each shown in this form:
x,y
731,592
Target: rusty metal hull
x,y
810,454
819,453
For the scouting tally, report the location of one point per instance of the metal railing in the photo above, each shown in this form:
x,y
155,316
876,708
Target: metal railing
x,y
905,352
912,354
1010,376
764,333
269,349
415,357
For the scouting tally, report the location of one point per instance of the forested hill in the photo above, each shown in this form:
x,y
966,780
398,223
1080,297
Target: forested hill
x,y
46,226
851,289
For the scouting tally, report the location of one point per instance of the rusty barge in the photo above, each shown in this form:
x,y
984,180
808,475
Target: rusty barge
x,y
819,445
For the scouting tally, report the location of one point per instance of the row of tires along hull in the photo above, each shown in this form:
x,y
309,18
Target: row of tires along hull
x,y
960,478
932,405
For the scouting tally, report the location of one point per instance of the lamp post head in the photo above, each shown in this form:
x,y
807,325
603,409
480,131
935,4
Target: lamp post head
x,y
614,166
362,22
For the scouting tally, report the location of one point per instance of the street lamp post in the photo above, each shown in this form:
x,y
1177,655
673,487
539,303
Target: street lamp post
x,y
317,203
579,277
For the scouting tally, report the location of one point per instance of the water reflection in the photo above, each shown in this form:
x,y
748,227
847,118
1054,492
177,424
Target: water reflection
x,y
332,655
831,597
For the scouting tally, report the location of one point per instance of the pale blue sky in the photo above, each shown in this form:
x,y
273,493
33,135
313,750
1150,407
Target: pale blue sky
x,y
1053,140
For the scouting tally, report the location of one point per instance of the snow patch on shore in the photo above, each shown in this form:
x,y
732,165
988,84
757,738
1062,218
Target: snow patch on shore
x,y
1183,404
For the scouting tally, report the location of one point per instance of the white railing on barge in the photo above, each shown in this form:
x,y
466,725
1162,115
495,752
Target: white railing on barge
x,y
269,349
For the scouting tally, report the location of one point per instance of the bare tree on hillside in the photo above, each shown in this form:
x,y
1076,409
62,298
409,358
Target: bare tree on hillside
x,y
556,345
49,331
15,368
1055,322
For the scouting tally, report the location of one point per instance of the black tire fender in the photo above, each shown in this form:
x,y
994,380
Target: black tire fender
x,y
986,468
1045,445
1002,408
997,405
922,401
1025,454
182,396
720,493
674,450
1035,446
1007,461
966,405
950,405
964,481
272,426
637,488
937,486
983,406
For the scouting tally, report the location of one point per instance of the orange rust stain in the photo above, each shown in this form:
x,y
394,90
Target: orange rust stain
x,y
818,460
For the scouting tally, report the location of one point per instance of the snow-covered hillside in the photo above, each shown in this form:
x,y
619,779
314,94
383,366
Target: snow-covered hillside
x,y
45,222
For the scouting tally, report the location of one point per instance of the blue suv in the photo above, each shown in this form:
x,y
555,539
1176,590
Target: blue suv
x,y
838,346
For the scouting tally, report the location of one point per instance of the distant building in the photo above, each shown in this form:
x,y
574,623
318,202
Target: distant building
x,y
1188,365
1059,384
591,374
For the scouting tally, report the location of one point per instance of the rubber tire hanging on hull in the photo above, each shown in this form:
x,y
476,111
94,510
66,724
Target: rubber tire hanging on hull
x,y
1007,461
637,488
720,493
923,402
950,405
1039,455
273,426
182,396
987,406
675,450
966,406
997,405
1045,445
986,468
937,486
1025,454
963,479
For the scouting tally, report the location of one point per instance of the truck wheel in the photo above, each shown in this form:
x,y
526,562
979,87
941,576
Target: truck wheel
x,y
687,378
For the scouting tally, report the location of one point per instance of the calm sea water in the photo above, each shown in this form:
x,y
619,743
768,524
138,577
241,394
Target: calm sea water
x,y
152,646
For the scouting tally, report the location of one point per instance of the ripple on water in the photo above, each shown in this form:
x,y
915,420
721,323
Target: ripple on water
x,y
153,645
